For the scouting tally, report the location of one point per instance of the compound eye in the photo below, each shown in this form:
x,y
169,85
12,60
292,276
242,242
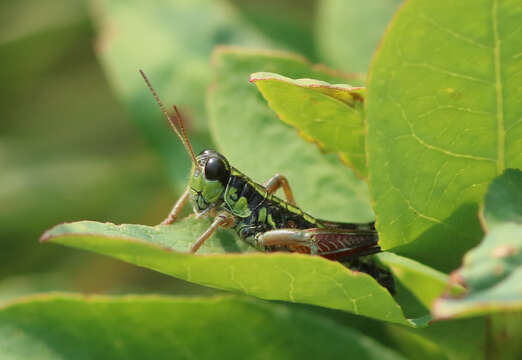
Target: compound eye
x,y
215,170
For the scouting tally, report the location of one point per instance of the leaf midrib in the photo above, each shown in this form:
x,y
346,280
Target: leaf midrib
x,y
498,87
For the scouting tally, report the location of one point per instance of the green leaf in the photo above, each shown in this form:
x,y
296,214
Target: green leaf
x,y
154,327
172,42
492,271
451,339
250,135
443,120
330,115
283,21
277,276
503,202
348,31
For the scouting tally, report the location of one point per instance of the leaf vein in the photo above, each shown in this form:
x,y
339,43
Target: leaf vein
x,y
447,72
342,288
291,284
451,32
452,107
415,210
433,147
514,125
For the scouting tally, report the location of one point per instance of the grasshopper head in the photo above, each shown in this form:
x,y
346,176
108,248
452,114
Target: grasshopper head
x,y
208,181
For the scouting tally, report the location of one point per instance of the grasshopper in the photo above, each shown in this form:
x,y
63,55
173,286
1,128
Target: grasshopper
x,y
260,218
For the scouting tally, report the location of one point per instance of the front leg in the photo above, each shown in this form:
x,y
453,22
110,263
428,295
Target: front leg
x,y
222,219
178,206
277,181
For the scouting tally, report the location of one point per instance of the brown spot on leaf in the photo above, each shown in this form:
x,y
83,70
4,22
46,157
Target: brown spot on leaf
x,y
505,250
498,269
456,278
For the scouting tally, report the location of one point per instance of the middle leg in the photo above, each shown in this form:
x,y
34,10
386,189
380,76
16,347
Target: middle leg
x,y
277,181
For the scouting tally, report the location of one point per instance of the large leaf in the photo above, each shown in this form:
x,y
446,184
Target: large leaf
x,y
492,272
443,120
154,327
250,135
172,42
330,115
277,276
348,31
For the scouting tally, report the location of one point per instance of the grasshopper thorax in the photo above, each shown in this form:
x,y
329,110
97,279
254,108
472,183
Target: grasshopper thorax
x,y
208,181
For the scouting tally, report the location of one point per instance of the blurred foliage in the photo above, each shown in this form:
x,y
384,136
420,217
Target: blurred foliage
x,y
171,41
267,331
360,24
290,22
67,152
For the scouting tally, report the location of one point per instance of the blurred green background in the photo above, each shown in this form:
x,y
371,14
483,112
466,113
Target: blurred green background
x,y
68,150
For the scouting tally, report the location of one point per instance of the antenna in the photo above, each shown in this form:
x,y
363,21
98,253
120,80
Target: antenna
x,y
175,122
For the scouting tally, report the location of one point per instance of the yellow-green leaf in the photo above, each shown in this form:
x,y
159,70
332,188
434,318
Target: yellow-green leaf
x,y
331,115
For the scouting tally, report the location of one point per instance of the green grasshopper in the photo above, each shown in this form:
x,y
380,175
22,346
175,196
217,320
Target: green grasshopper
x,y
260,218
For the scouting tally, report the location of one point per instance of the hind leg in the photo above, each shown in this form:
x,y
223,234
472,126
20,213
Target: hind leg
x,y
333,244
